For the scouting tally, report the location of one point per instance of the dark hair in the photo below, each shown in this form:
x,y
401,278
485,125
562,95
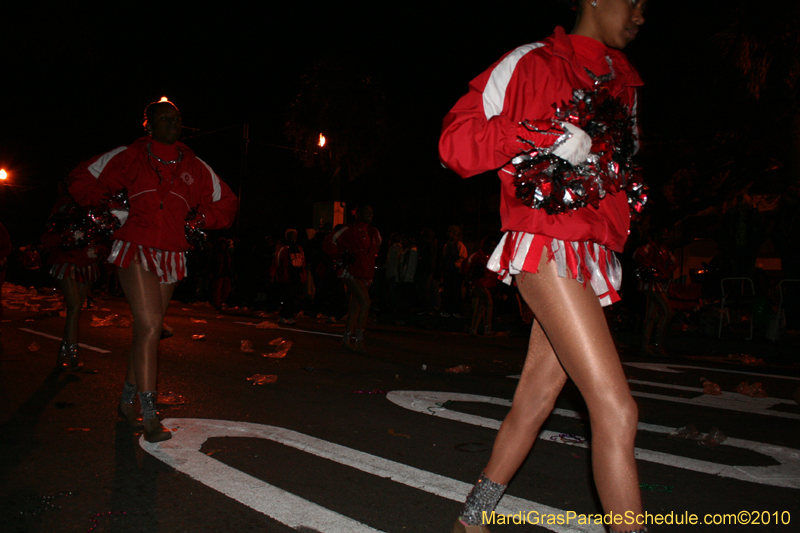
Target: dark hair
x,y
151,109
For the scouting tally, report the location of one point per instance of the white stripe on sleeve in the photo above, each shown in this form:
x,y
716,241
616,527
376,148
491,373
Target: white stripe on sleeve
x,y
339,233
217,194
96,168
494,94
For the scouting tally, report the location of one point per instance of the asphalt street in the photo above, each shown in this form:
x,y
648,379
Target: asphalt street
x,y
387,441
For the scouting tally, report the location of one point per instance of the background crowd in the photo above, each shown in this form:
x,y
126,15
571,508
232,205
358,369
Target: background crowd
x,y
437,279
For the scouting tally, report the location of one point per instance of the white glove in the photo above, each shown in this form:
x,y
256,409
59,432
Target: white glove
x,y
121,214
575,149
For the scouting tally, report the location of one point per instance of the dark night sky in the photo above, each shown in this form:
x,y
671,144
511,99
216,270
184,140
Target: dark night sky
x,y
76,79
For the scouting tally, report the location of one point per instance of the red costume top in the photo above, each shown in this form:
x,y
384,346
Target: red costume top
x,y
481,131
361,240
160,195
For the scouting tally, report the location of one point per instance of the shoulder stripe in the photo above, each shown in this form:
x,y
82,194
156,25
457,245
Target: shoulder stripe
x,y
217,194
96,168
339,233
494,94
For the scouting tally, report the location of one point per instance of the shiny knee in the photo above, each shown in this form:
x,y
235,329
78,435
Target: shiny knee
x,y
618,422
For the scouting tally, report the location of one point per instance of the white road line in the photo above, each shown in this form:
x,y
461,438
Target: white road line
x,y
86,346
182,452
785,474
731,401
284,328
666,367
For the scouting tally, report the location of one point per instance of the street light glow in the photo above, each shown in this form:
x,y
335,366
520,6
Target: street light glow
x,y
322,141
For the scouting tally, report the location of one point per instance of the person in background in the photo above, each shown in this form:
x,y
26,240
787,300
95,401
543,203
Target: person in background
x,y
426,266
75,266
168,188
481,282
453,254
32,265
289,272
408,271
656,266
354,248
562,262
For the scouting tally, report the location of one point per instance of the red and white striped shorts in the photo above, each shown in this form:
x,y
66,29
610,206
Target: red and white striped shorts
x,y
170,267
84,274
586,261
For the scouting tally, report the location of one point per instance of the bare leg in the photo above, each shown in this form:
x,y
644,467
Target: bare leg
x,y
365,302
148,299
353,308
359,305
74,295
570,317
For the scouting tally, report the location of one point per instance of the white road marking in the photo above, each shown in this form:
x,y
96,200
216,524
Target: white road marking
x,y
85,346
182,452
785,474
666,367
731,401
284,328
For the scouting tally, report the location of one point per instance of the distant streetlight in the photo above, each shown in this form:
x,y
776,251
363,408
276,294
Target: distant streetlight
x,y
322,141
3,187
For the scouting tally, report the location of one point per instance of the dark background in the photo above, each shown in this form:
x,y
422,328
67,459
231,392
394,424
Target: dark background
x,y
77,76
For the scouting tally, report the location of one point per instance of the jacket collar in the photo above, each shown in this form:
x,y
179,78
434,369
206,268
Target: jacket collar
x,y
141,144
626,75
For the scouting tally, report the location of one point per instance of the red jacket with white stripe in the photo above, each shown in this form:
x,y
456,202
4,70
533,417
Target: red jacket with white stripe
x,y
158,208
361,240
481,132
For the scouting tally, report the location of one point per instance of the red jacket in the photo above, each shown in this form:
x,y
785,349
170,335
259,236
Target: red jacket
x,y
157,210
361,240
481,131
285,262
